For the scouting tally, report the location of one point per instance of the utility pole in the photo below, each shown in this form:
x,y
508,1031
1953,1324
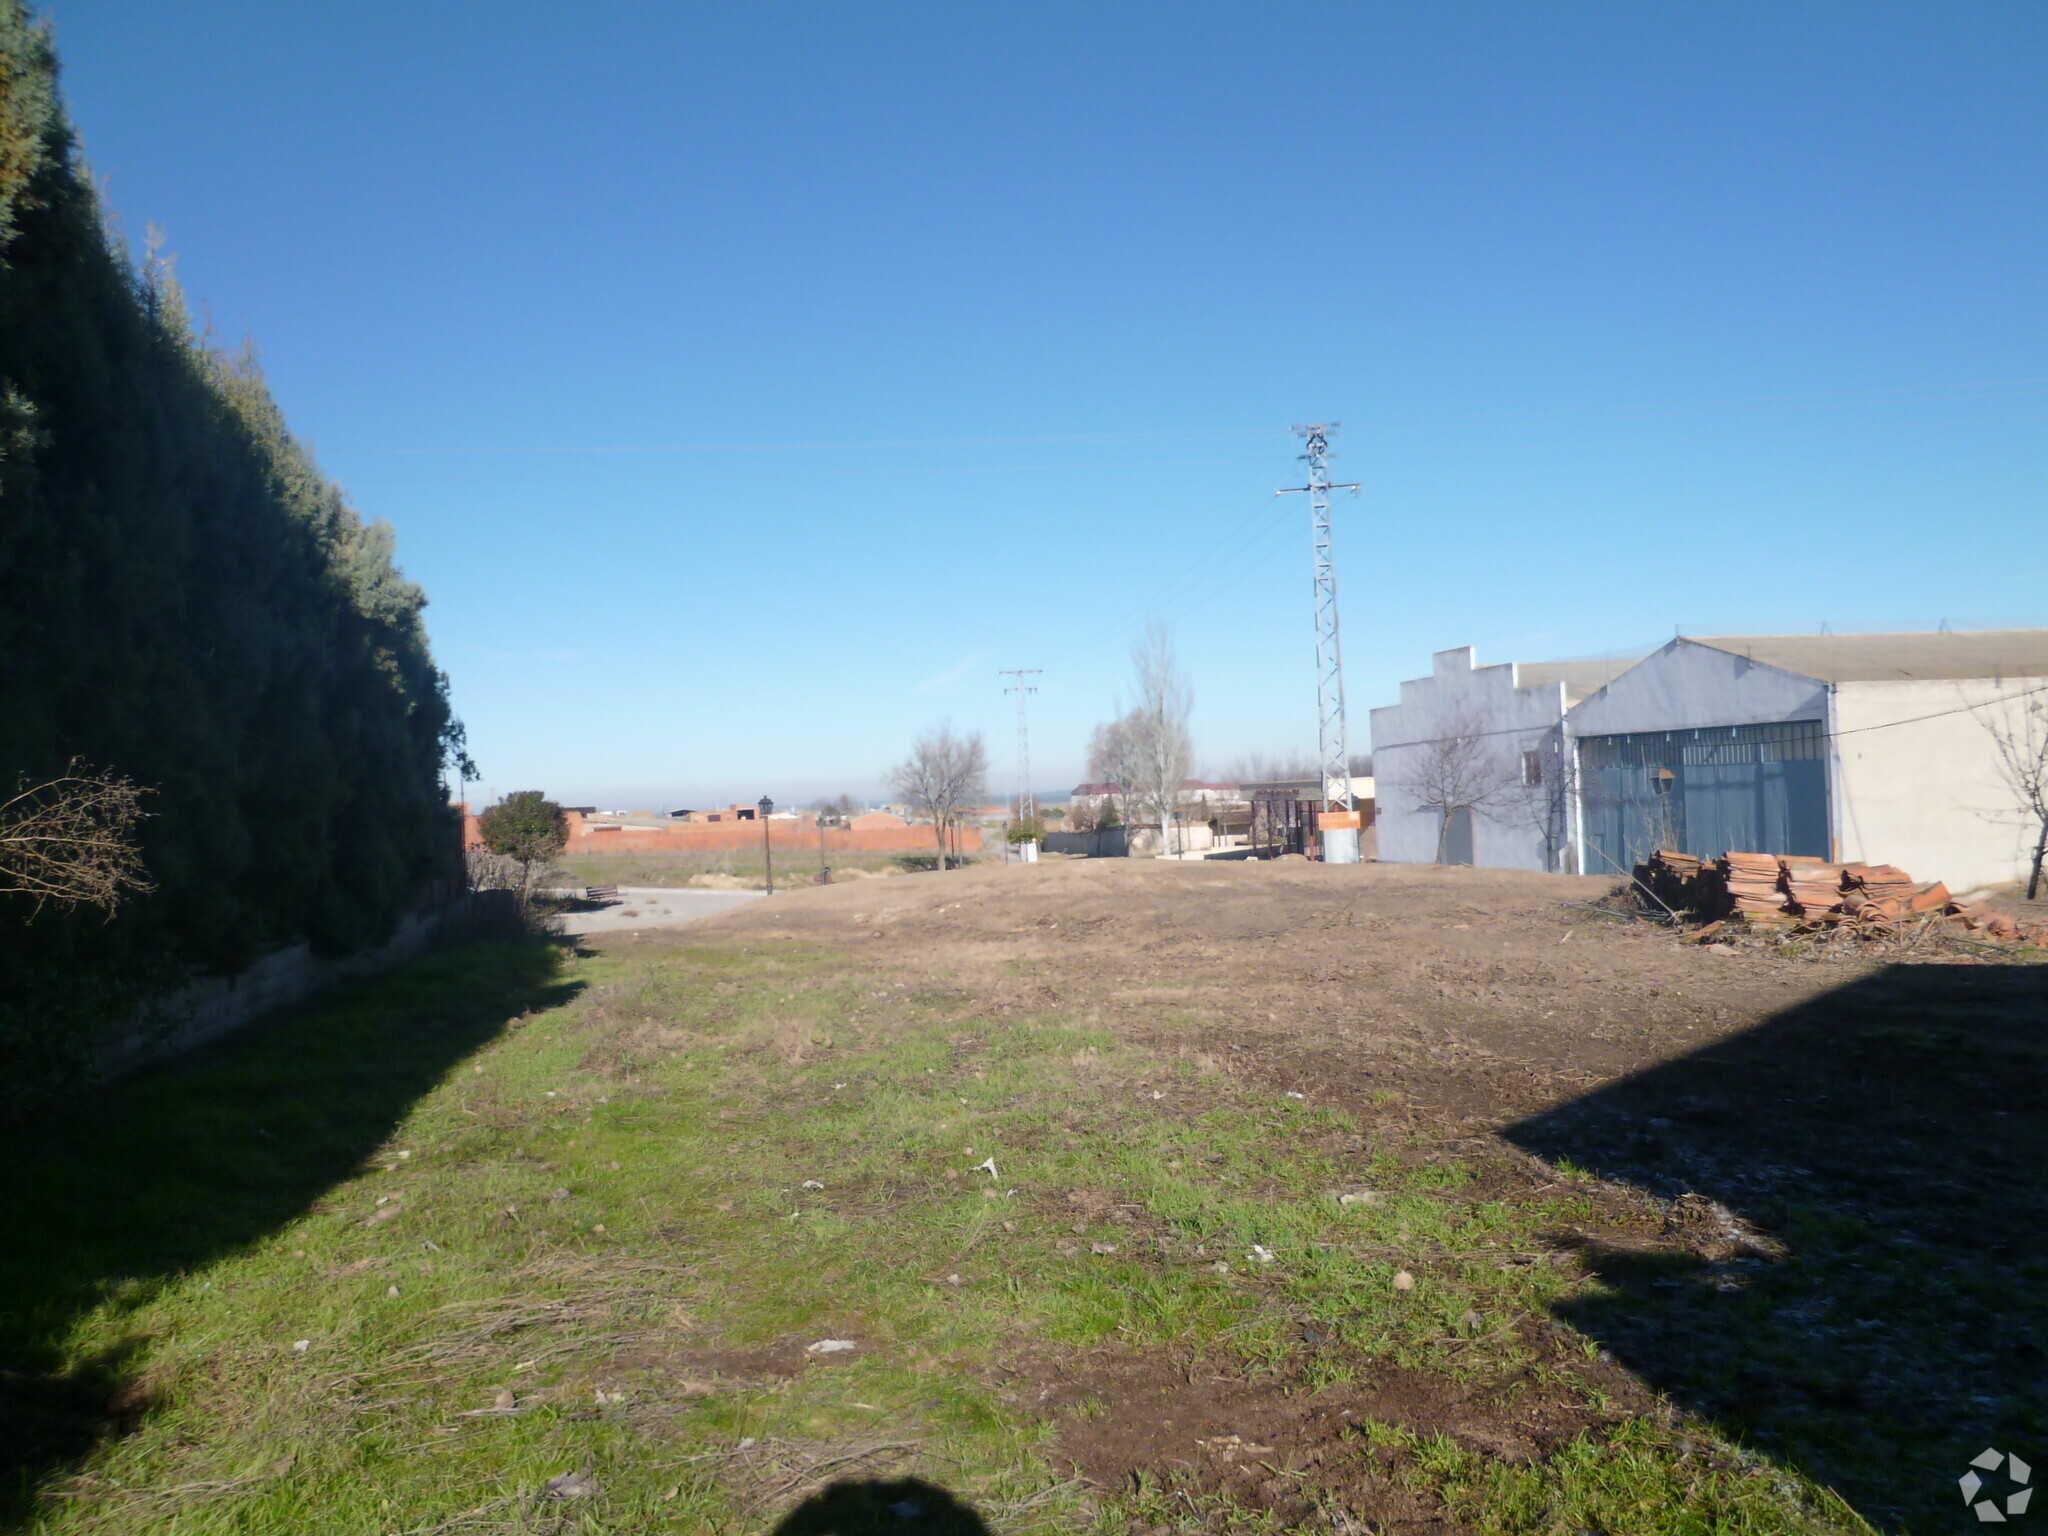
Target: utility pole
x,y
1340,844
1027,803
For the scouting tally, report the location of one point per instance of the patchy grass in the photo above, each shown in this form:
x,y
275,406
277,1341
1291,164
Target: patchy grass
x,y
517,1213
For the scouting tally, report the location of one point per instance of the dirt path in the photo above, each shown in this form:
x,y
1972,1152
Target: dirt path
x,y
642,907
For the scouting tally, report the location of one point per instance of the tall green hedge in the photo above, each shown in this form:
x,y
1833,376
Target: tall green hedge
x,y
186,600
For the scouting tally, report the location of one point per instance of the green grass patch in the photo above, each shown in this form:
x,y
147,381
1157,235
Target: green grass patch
x,y
396,1262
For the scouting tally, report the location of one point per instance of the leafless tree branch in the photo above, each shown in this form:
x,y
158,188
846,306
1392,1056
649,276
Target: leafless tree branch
x,y
1162,749
71,841
944,774
1458,769
2020,732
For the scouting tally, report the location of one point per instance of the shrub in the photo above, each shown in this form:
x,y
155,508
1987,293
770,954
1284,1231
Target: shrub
x,y
527,826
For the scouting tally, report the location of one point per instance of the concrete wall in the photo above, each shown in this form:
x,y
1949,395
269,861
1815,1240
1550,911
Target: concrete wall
x,y
1457,696
1110,843
215,1007
1919,780
1687,686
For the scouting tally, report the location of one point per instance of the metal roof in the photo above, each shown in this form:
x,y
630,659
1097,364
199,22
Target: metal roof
x,y
1581,679
1994,653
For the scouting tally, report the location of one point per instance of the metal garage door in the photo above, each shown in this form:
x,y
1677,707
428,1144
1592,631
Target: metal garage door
x,y
1753,788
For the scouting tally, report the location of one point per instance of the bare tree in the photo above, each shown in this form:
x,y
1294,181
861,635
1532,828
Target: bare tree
x,y
1163,749
72,840
1538,791
1459,770
1258,768
2021,735
944,774
1113,760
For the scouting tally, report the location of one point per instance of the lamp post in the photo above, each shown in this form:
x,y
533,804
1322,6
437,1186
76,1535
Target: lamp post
x,y
767,809
824,869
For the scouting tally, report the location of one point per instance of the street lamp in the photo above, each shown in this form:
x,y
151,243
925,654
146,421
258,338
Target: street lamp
x,y
824,869
767,809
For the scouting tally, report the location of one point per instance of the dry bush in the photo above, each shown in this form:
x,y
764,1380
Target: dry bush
x,y
72,840
502,890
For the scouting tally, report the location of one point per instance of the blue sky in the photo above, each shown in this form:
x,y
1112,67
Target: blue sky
x,y
748,384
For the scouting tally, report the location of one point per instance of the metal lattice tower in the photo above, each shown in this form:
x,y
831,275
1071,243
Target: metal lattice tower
x,y
1333,745
1027,803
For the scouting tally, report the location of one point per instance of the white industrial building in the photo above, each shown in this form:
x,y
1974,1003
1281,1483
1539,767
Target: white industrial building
x,y
1875,748
1490,737
1846,747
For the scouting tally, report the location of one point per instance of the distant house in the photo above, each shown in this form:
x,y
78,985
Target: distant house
x,y
1095,796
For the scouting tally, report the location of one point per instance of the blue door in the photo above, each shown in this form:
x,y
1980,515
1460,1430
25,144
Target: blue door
x,y
1745,788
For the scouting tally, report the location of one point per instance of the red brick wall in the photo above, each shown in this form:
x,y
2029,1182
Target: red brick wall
x,y
745,836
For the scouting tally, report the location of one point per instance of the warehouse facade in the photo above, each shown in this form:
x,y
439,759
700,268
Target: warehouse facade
x,y
1470,766
1872,748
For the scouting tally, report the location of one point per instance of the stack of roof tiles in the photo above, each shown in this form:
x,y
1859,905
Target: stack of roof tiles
x,y
1768,888
1876,893
1751,881
1813,887
1771,887
1674,878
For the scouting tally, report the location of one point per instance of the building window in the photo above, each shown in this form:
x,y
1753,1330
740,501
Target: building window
x,y
1532,768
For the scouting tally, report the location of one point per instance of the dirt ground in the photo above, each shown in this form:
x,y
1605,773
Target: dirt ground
x,y
1476,996
1816,1213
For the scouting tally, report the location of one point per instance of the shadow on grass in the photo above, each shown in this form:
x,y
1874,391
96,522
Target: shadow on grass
x,y
863,1507
1877,1314
177,1167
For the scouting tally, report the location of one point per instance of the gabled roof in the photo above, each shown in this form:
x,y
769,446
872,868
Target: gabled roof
x,y
1580,678
1939,655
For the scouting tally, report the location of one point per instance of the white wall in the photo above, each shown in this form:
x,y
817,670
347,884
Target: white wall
x,y
1924,793
1456,693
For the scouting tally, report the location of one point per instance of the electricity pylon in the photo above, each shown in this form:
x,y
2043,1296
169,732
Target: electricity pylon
x,y
1027,803
1332,743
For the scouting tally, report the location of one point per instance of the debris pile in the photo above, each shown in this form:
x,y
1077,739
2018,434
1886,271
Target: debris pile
x,y
1987,924
1813,893
1877,892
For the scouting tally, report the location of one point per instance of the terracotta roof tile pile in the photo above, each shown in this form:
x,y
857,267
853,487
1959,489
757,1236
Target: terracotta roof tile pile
x,y
1987,924
1876,892
1751,882
1674,877
1813,887
1769,888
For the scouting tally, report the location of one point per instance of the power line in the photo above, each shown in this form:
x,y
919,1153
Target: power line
x,y
1854,730
1976,388
1198,579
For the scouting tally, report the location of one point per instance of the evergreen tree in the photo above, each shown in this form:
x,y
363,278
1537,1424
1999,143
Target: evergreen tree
x,y
185,601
